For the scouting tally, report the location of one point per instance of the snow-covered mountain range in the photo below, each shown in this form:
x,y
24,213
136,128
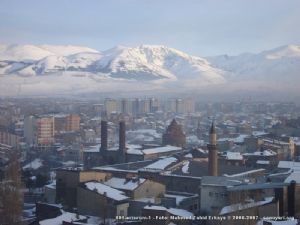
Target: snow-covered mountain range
x,y
27,66
147,62
279,64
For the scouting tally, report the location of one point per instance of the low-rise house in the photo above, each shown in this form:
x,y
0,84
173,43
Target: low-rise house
x,y
232,158
97,199
67,181
137,188
214,194
248,212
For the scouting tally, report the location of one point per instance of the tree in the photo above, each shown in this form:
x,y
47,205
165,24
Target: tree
x,y
11,197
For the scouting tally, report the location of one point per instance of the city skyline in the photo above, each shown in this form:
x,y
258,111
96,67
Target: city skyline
x,y
149,112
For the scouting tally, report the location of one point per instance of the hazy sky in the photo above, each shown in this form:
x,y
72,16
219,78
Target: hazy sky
x,y
199,27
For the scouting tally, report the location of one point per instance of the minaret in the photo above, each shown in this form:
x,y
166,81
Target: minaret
x,y
212,152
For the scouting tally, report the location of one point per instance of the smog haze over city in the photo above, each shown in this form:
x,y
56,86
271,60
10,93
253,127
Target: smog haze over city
x,y
139,112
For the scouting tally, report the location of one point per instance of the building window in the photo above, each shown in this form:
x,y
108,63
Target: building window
x,y
210,194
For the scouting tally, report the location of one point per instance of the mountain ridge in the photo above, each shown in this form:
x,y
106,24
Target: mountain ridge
x,y
146,62
151,67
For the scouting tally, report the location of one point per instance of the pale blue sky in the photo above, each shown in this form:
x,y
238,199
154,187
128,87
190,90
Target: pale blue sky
x,y
199,27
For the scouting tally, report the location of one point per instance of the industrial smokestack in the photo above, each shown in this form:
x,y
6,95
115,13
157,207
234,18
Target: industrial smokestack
x,y
104,136
212,152
291,198
122,144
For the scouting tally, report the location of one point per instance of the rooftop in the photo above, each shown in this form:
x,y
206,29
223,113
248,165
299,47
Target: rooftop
x,y
289,165
242,206
125,184
219,181
162,163
167,148
103,189
256,186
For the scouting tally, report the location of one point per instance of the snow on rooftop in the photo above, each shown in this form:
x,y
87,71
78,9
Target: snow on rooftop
x,y
185,168
161,164
263,162
134,151
93,220
62,148
65,216
110,168
104,189
172,223
244,173
234,156
180,212
238,139
95,148
114,148
193,139
147,200
229,123
289,165
69,163
267,152
242,206
156,207
173,211
124,184
189,156
167,148
273,141
293,176
133,146
282,173
35,164
51,185
202,150
146,133
259,133
179,198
